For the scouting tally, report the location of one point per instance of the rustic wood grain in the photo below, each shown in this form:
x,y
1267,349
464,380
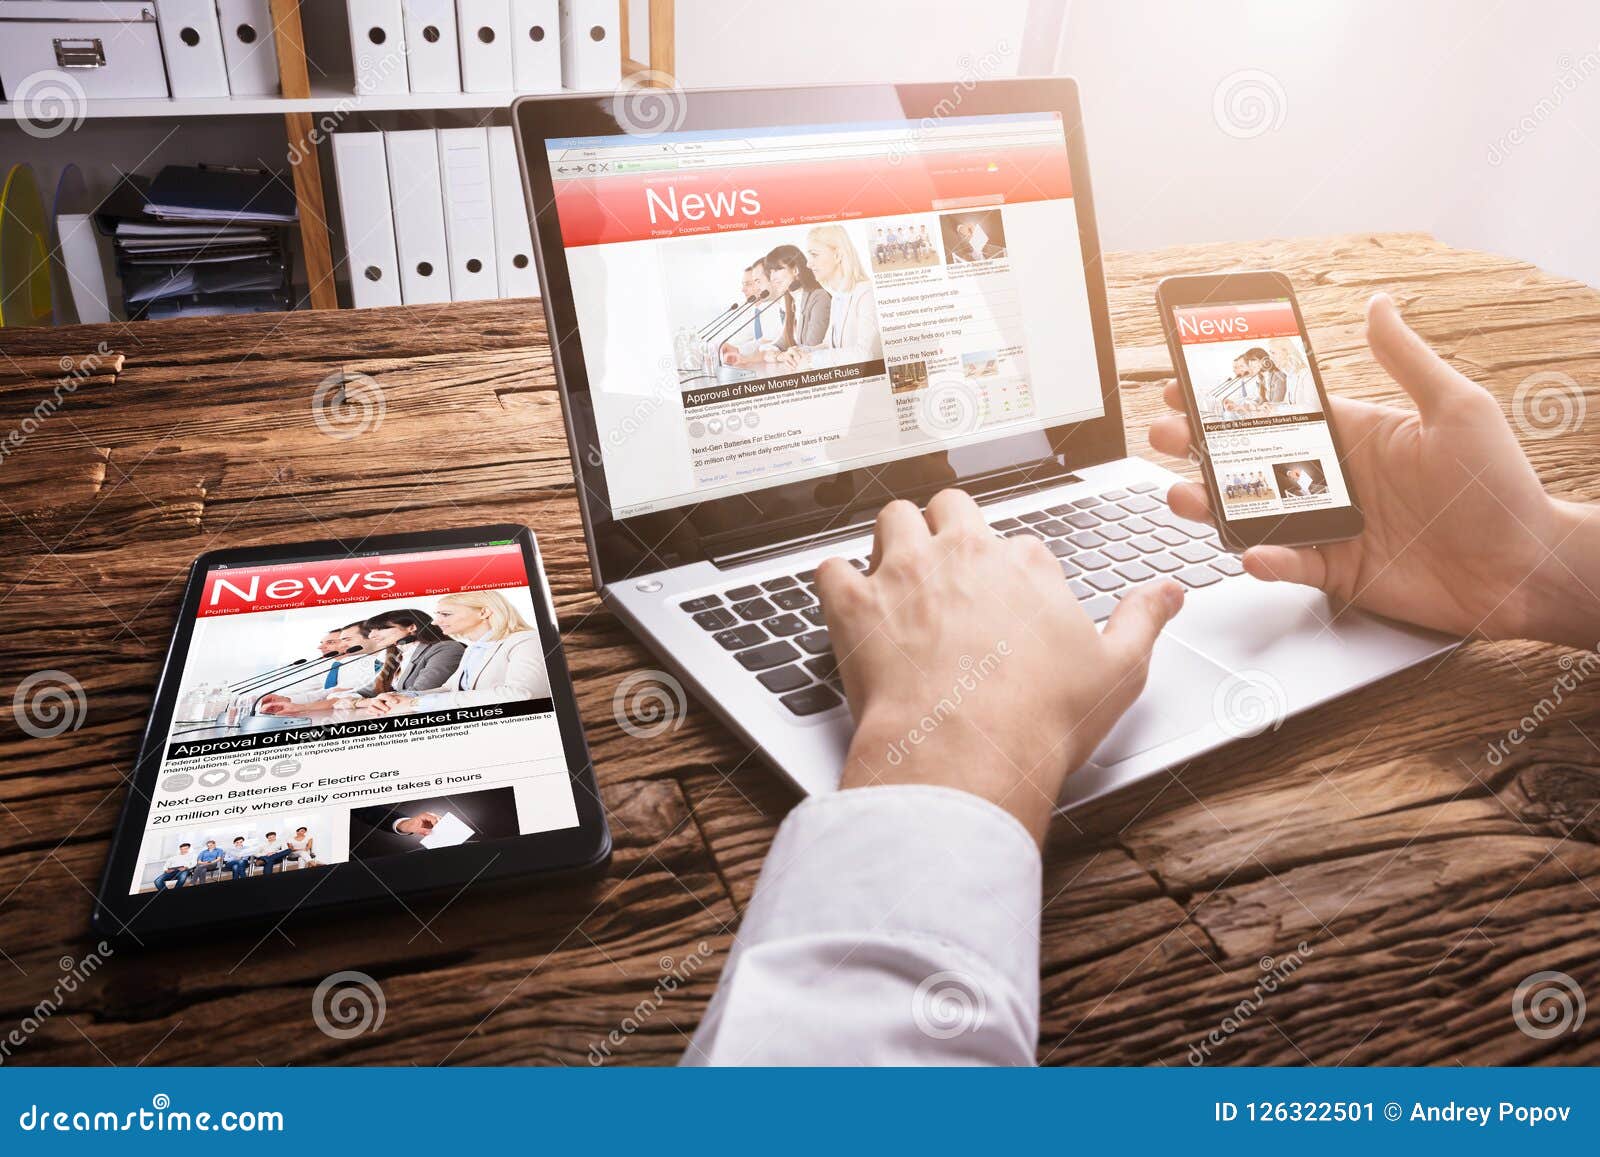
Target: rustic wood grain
x,y
1410,876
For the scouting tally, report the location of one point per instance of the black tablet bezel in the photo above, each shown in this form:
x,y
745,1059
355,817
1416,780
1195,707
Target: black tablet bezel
x,y
144,917
621,548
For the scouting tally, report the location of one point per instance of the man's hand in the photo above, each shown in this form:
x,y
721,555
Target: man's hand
x,y
1460,535
969,664
274,705
418,825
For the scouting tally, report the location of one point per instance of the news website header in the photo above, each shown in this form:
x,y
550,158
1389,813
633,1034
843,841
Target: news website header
x,y
1235,321
329,582
872,176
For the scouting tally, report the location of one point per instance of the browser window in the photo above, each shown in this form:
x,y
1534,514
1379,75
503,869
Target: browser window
x,y
761,307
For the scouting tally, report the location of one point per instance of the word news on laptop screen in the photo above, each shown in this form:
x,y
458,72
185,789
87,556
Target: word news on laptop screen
x,y
759,307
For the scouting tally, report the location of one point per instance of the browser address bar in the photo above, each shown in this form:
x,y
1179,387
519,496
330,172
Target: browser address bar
x,y
737,157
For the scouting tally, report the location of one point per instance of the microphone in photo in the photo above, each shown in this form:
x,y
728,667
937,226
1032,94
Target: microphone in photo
x,y
711,326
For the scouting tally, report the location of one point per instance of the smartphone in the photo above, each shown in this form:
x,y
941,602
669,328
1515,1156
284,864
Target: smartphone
x,y
1258,411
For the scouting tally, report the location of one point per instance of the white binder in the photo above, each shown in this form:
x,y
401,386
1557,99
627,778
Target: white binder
x,y
368,218
83,257
536,45
433,56
468,213
249,47
191,38
513,240
485,34
591,53
377,45
418,215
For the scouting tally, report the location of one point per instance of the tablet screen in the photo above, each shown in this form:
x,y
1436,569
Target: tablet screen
x,y
351,707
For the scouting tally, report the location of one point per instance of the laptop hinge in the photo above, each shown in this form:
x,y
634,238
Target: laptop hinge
x,y
731,555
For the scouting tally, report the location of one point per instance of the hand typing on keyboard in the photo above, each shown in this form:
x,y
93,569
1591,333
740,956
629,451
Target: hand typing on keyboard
x,y
969,664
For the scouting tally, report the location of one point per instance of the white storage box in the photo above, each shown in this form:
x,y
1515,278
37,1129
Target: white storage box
x,y
105,49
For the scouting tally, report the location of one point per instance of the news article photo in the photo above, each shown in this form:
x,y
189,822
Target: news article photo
x,y
1235,380
443,821
904,244
239,848
972,236
1298,480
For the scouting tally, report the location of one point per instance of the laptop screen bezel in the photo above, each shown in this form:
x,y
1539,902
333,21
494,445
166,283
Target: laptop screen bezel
x,y
625,548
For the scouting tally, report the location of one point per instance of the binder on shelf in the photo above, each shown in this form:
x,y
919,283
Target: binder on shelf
x,y
418,197
83,260
536,45
191,37
485,36
362,175
513,240
591,52
249,47
468,213
433,55
377,45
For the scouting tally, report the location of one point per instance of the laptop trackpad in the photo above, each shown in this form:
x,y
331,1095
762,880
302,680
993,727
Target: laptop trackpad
x,y
1176,702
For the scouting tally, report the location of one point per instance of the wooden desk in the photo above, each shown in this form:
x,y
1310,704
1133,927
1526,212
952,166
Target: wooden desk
x,y
1424,882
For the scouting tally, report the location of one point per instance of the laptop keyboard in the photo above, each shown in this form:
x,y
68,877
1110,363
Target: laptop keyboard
x,y
1106,544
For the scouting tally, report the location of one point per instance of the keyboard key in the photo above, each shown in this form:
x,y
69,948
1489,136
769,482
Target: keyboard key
x,y
1119,552
781,679
1034,516
1005,524
740,594
1165,517
1059,511
811,700
774,654
1113,495
1087,539
1143,487
1136,526
1089,560
1135,572
703,603
781,583
1111,513
1228,564
1199,576
1169,536
1059,548
1147,544
716,619
1100,607
1082,520
823,666
1080,590
815,643
738,638
793,600
1105,581
813,615
807,576
1069,569
1085,503
1164,563
1195,552
1139,504
785,625
859,563
757,608
1025,532
1112,531
1054,528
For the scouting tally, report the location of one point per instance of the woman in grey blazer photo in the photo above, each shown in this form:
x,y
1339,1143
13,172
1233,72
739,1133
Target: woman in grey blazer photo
x,y
417,654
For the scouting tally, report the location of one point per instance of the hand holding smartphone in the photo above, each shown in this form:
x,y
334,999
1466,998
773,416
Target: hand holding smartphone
x,y
1257,410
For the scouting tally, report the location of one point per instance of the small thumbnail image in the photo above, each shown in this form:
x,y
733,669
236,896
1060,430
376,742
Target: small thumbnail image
x,y
443,821
1241,486
903,246
1300,479
908,376
973,235
980,364
225,850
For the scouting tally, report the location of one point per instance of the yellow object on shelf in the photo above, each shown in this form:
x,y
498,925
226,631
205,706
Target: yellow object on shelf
x,y
24,251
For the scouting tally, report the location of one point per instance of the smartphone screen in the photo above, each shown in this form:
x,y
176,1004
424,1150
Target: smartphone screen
x,y
1266,432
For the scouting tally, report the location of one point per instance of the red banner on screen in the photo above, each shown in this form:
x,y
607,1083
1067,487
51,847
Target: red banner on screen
x,y
290,586
1252,320
607,209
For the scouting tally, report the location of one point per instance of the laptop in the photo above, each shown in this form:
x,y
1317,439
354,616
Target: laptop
x,y
772,310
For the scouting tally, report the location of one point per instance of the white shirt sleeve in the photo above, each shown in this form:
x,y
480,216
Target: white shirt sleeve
x,y
890,926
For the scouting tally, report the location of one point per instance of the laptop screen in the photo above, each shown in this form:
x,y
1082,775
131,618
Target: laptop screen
x,y
761,307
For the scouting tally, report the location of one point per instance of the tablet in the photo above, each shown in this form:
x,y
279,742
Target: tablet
x,y
339,722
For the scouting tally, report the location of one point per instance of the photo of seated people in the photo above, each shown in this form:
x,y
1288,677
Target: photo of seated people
x,y
240,848
428,653
1236,380
769,302
902,246
399,826
971,236
1245,486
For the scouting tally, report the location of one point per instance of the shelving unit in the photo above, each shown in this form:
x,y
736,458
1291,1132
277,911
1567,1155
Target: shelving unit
x,y
304,98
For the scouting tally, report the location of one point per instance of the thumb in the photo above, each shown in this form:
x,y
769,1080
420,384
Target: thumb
x,y
1285,564
1133,626
1410,361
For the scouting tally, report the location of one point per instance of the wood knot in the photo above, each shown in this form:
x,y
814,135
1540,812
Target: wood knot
x,y
1564,797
